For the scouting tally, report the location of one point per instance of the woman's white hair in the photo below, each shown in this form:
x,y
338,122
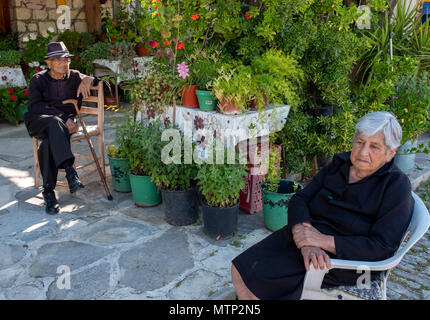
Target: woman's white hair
x,y
384,122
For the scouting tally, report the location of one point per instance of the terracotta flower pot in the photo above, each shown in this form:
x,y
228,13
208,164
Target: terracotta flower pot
x,y
110,100
189,97
142,51
228,107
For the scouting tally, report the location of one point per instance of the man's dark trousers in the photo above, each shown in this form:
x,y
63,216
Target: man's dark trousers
x,y
55,146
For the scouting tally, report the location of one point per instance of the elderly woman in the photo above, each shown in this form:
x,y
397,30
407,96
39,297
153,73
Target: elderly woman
x,y
358,207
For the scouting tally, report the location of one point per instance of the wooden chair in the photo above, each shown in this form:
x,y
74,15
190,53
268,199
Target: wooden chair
x,y
418,226
93,131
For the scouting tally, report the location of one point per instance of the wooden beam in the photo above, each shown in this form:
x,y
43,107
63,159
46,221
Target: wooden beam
x,y
94,21
4,17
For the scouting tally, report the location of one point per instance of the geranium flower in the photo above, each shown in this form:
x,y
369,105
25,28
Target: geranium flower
x,y
26,92
195,16
166,43
38,69
10,90
183,70
76,58
247,16
13,97
179,45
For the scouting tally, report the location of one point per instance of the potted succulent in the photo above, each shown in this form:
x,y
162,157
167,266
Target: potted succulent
x,y
134,138
220,186
174,178
276,192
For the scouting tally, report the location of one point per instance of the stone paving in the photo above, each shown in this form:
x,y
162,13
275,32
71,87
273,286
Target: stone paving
x,y
115,250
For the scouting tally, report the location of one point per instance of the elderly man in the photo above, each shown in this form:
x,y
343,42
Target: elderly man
x,y
358,207
53,122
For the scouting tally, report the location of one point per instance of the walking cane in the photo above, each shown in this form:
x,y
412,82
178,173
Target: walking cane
x,y
96,160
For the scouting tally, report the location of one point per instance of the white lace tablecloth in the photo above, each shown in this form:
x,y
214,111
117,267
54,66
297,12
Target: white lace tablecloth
x,y
229,128
12,77
104,67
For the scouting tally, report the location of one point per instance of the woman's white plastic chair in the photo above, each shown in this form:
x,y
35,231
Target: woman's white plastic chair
x,y
418,226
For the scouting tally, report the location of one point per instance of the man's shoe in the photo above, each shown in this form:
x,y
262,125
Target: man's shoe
x,y
52,206
74,183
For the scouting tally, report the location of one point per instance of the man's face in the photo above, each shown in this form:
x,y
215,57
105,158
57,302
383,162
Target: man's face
x,y
58,65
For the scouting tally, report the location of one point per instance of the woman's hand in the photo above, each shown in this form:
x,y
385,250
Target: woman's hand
x,y
304,234
319,258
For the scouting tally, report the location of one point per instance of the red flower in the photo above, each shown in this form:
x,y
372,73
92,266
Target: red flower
x,y
114,24
26,92
195,16
247,16
155,44
112,38
166,43
13,97
38,69
10,90
179,45
77,58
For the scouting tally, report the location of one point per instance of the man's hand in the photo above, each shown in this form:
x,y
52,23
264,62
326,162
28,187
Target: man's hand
x,y
319,258
72,126
84,87
304,234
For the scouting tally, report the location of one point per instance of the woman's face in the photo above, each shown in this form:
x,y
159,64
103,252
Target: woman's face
x,y
368,154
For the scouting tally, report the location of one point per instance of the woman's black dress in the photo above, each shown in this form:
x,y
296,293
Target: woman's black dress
x,y
367,218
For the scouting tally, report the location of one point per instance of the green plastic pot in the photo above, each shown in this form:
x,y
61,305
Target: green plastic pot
x,y
145,193
206,101
275,204
119,169
21,112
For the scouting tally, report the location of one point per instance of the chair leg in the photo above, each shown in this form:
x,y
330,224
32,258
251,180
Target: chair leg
x,y
36,166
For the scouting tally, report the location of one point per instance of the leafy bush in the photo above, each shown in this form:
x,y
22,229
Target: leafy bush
x,y
99,50
12,99
36,49
220,184
176,175
8,42
10,58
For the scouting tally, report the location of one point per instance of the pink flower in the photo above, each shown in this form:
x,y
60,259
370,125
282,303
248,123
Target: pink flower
x,y
159,54
183,70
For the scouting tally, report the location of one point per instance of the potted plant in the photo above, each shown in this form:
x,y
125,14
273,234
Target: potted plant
x,y
134,137
154,92
10,70
276,192
279,77
220,186
235,88
203,70
119,168
411,107
173,177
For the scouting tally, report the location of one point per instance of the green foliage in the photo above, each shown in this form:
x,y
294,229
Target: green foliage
x,y
12,101
36,49
76,42
8,42
273,176
167,159
115,152
132,139
411,105
99,50
279,76
10,58
220,184
154,92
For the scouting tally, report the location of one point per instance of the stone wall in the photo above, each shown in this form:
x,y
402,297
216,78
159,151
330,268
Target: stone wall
x,y
36,16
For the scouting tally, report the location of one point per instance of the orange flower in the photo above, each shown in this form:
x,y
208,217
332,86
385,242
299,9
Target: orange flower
x,y
179,45
195,16
166,43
